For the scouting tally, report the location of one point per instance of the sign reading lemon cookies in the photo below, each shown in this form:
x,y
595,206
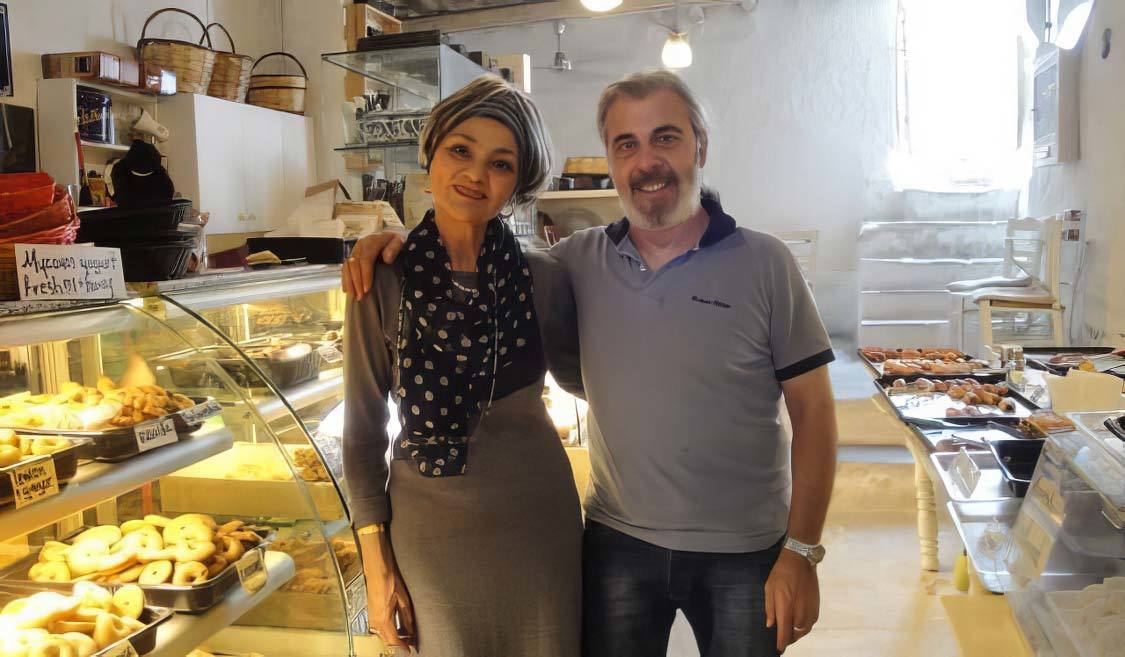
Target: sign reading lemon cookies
x,y
33,480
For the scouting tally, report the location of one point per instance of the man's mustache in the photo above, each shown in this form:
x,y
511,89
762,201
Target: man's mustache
x,y
658,175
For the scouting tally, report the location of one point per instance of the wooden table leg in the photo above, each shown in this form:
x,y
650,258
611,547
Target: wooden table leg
x,y
927,515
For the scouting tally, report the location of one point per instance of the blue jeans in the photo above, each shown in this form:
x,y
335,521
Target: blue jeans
x,y
631,591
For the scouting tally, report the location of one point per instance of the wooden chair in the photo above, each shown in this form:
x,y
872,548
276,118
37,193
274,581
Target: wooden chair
x,y
1030,283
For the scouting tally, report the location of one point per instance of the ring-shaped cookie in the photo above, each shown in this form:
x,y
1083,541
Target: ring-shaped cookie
x,y
189,550
191,573
232,549
108,629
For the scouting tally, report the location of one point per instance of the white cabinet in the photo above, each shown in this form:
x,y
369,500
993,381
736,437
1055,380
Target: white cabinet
x,y
248,166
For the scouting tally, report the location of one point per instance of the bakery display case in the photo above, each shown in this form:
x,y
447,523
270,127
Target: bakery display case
x,y
163,487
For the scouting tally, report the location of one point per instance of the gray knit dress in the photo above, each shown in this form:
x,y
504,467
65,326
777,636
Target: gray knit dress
x,y
491,558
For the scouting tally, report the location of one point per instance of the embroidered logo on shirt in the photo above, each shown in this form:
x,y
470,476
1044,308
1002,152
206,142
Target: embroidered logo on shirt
x,y
710,302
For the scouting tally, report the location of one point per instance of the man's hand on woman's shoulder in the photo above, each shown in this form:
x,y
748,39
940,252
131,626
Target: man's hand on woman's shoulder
x,y
358,271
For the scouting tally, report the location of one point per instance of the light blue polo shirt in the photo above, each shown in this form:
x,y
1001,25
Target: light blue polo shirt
x,y
682,367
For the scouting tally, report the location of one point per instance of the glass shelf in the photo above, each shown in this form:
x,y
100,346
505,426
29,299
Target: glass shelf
x,y
416,71
351,148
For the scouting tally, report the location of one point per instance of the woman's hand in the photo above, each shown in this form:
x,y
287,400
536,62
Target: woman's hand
x,y
359,269
387,597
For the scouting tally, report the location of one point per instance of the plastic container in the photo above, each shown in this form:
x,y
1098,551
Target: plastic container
x,y
133,222
317,250
155,262
1017,459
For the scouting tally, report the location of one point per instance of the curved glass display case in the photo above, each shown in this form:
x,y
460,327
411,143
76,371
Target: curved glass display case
x,y
163,442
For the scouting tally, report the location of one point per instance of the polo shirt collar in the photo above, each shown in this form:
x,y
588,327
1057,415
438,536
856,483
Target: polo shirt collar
x,y
719,224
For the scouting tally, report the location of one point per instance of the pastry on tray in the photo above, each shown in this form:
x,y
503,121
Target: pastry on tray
x,y
1041,423
90,619
978,398
82,408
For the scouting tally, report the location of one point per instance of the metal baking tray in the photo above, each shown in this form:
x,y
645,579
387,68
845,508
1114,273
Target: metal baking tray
x,y
66,466
120,443
188,369
976,374
990,488
143,641
1038,358
930,406
184,599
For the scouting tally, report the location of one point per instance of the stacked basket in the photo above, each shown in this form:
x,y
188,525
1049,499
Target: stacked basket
x,y
231,77
280,92
33,210
194,64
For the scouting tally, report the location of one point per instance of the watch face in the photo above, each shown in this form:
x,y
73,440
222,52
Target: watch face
x,y
816,553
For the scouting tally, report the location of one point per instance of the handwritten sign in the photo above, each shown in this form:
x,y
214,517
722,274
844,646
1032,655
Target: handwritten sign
x,y
53,271
200,412
34,480
251,571
123,649
156,433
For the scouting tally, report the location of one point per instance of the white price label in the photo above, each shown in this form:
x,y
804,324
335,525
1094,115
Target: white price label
x,y
200,412
123,649
33,480
54,271
331,354
156,433
252,571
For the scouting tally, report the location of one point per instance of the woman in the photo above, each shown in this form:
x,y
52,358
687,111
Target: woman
x,y
479,525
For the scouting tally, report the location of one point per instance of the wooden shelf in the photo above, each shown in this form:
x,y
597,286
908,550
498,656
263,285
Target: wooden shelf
x,y
97,482
578,194
184,632
120,93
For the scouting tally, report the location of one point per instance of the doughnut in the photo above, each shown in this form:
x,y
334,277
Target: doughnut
x,y
83,645
233,525
232,549
129,601
51,646
51,571
157,520
130,574
84,557
191,573
9,455
139,541
130,526
190,550
54,551
217,564
43,608
182,529
9,437
108,534
62,627
93,596
108,629
155,572
48,445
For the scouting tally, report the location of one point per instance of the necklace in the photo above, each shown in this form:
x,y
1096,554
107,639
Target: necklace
x,y
467,290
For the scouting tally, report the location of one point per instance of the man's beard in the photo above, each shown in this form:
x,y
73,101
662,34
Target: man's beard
x,y
661,217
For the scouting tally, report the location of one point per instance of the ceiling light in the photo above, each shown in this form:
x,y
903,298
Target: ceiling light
x,y
677,52
601,5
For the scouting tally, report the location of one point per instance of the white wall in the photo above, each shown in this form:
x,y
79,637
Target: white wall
x,y
1094,183
46,26
801,97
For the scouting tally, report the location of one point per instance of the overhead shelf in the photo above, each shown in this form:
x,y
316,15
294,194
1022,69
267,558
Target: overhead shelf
x,y
117,148
328,384
184,632
97,482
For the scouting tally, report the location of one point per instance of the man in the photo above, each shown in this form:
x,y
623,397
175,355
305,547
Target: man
x,y
691,329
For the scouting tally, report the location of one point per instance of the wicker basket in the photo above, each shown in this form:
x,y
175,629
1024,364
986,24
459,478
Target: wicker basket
x,y
279,92
193,63
231,77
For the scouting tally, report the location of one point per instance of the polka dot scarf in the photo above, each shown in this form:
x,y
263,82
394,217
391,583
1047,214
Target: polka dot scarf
x,y
450,349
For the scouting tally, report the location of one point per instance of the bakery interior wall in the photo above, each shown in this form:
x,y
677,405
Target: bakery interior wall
x,y
46,26
1094,182
801,100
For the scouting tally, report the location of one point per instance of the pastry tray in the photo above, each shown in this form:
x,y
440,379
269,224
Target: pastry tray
x,y
928,406
143,641
976,374
120,443
188,368
184,599
1037,357
66,465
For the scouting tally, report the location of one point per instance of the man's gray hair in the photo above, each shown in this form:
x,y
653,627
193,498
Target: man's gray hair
x,y
642,85
489,96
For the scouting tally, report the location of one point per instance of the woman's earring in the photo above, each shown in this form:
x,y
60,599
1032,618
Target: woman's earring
x,y
508,211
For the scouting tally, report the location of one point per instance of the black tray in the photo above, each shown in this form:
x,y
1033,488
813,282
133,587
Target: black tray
x,y
118,444
66,466
1037,357
189,369
1017,458
317,250
1116,426
186,599
143,641
132,222
928,408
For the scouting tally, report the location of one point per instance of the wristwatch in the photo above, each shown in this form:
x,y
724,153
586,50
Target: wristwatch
x,y
814,553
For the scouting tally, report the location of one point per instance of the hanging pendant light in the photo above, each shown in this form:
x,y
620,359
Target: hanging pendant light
x,y
601,5
677,51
